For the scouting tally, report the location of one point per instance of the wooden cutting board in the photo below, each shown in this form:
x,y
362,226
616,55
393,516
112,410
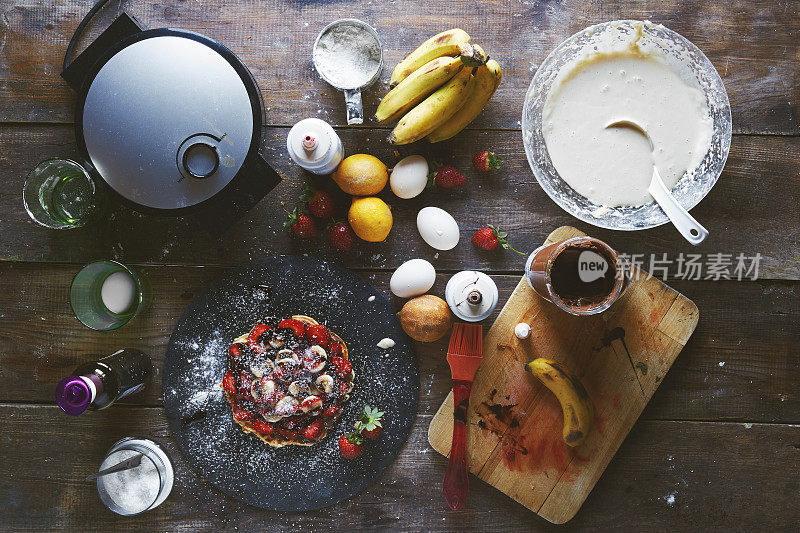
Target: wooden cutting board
x,y
514,435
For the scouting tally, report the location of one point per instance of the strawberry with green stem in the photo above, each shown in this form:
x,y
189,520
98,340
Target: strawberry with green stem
x,y
351,445
488,237
370,424
319,202
301,224
484,161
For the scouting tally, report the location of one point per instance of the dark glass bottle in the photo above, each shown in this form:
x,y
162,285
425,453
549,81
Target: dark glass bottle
x,y
98,384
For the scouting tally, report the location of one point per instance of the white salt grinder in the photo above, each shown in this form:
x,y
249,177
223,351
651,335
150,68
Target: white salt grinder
x,y
314,145
471,295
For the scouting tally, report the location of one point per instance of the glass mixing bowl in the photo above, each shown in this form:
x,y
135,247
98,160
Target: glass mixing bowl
x,y
678,53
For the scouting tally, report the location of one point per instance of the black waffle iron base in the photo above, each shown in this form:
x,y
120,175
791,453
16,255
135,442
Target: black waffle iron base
x,y
292,477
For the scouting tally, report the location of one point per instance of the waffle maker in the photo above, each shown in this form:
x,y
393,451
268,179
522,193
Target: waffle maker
x,y
170,122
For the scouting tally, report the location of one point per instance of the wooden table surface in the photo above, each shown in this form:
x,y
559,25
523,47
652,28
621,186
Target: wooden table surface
x,y
717,448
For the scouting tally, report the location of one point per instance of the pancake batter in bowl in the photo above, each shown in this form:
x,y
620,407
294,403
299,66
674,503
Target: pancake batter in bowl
x,y
613,166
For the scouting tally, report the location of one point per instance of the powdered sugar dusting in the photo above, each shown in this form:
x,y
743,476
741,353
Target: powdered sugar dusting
x,y
291,477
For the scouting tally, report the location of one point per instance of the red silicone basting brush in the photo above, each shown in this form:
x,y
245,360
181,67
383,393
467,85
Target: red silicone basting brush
x,y
464,355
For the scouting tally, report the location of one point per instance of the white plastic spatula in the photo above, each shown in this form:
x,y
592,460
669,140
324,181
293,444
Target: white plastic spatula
x,y
691,229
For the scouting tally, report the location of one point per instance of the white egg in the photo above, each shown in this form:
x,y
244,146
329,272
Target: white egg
x,y
412,278
437,228
409,176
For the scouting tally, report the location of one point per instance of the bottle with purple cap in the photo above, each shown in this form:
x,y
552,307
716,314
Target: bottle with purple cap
x,y
98,384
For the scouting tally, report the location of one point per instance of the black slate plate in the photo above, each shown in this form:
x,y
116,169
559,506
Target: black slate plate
x,y
292,477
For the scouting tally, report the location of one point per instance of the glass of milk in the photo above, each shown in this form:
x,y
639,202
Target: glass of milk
x,y
106,295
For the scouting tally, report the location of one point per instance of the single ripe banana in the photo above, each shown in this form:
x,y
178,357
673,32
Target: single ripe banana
x,y
447,43
434,110
417,86
575,402
487,79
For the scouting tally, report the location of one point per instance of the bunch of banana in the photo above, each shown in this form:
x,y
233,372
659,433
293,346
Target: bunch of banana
x,y
439,89
575,402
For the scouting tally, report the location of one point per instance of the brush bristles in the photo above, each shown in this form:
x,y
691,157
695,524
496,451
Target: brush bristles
x,y
466,339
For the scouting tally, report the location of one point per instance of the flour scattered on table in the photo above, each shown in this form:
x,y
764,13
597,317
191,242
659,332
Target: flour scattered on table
x,y
722,363
371,298
670,498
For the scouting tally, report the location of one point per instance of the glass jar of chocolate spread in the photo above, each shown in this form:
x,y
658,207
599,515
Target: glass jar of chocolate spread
x,y
581,275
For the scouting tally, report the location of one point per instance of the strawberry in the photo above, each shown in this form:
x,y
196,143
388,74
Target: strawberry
x,y
228,383
370,425
485,161
318,334
446,177
242,415
301,224
344,387
341,366
299,328
253,336
330,412
263,427
245,380
235,350
335,348
313,430
341,236
320,203
351,445
288,433
488,237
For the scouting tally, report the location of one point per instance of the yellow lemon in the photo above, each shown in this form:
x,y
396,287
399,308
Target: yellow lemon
x,y
361,175
370,218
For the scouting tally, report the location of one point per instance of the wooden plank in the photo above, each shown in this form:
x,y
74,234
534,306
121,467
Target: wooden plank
x,y
753,44
752,328
752,209
662,476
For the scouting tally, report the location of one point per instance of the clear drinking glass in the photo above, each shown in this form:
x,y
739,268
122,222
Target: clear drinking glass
x,y
141,488
106,295
60,194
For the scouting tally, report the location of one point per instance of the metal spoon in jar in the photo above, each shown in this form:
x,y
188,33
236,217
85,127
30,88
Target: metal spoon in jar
x,y
691,229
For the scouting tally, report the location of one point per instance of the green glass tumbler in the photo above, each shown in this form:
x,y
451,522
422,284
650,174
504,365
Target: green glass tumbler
x,y
106,295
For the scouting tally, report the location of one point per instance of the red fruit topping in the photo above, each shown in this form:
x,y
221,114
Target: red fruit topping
x,y
302,225
318,334
313,430
242,415
253,338
228,383
351,445
341,236
341,366
263,427
298,327
448,177
335,348
235,350
485,161
321,204
344,388
288,433
330,412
